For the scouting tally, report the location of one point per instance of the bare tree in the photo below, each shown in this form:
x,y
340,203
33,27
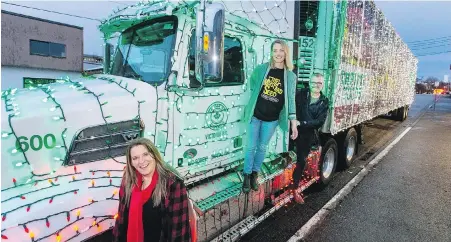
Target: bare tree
x,y
432,79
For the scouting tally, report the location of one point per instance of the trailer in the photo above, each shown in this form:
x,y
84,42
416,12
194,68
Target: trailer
x,y
178,76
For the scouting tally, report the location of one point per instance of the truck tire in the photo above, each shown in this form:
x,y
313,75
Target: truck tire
x,y
348,149
328,162
401,113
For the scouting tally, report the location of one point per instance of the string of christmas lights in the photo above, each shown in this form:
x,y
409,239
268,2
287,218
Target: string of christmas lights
x,y
51,198
48,90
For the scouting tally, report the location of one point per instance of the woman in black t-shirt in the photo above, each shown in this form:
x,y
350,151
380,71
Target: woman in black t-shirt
x,y
271,104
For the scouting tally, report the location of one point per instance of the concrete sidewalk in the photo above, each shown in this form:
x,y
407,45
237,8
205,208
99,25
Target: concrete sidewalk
x,y
407,197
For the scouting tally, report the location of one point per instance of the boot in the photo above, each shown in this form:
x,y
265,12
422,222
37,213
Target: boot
x,y
254,183
246,183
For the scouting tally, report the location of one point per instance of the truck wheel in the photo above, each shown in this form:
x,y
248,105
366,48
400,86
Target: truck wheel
x,y
349,149
328,162
401,113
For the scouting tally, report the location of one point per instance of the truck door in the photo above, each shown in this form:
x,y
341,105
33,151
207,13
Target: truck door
x,y
210,126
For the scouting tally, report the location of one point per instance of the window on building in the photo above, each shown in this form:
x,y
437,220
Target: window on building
x,y
34,82
47,49
233,63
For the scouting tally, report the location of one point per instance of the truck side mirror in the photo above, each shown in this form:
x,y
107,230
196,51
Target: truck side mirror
x,y
107,58
210,42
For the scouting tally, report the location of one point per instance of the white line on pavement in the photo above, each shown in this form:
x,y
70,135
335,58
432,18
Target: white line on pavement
x,y
322,213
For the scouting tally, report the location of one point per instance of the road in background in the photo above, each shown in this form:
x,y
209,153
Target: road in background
x,y
407,196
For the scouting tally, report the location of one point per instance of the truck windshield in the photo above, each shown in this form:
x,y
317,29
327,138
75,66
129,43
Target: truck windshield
x,y
144,52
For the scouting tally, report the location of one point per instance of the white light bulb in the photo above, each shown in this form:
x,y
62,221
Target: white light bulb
x,y
52,109
14,151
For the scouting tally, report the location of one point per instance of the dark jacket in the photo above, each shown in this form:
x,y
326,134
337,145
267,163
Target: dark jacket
x,y
311,116
175,227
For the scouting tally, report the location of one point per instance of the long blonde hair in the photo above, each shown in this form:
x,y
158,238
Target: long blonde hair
x,y
286,49
130,179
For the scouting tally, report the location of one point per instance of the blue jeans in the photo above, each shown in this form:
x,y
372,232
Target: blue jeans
x,y
259,134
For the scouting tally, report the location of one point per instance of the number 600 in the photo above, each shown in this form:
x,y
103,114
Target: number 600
x,y
36,142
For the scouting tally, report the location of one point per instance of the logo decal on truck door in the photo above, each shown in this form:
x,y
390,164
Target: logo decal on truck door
x,y
216,116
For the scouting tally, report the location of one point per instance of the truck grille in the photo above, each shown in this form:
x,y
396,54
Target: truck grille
x,y
103,141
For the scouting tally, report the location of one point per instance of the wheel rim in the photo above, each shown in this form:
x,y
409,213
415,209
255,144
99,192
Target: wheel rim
x,y
328,164
350,149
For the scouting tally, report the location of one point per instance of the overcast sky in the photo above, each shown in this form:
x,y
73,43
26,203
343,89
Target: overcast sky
x,y
413,20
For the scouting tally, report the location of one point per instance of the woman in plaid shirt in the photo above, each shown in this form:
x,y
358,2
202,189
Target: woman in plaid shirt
x,y
153,202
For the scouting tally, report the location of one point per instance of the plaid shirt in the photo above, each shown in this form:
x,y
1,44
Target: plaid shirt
x,y
176,226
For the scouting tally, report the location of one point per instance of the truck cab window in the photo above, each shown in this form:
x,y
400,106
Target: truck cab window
x,y
233,63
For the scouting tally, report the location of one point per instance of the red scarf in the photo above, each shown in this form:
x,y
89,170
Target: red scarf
x,y
135,230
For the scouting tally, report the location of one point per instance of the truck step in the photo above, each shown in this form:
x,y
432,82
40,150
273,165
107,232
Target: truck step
x,y
240,229
234,233
209,194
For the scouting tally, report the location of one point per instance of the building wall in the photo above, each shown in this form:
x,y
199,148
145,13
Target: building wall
x,y
12,77
17,31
